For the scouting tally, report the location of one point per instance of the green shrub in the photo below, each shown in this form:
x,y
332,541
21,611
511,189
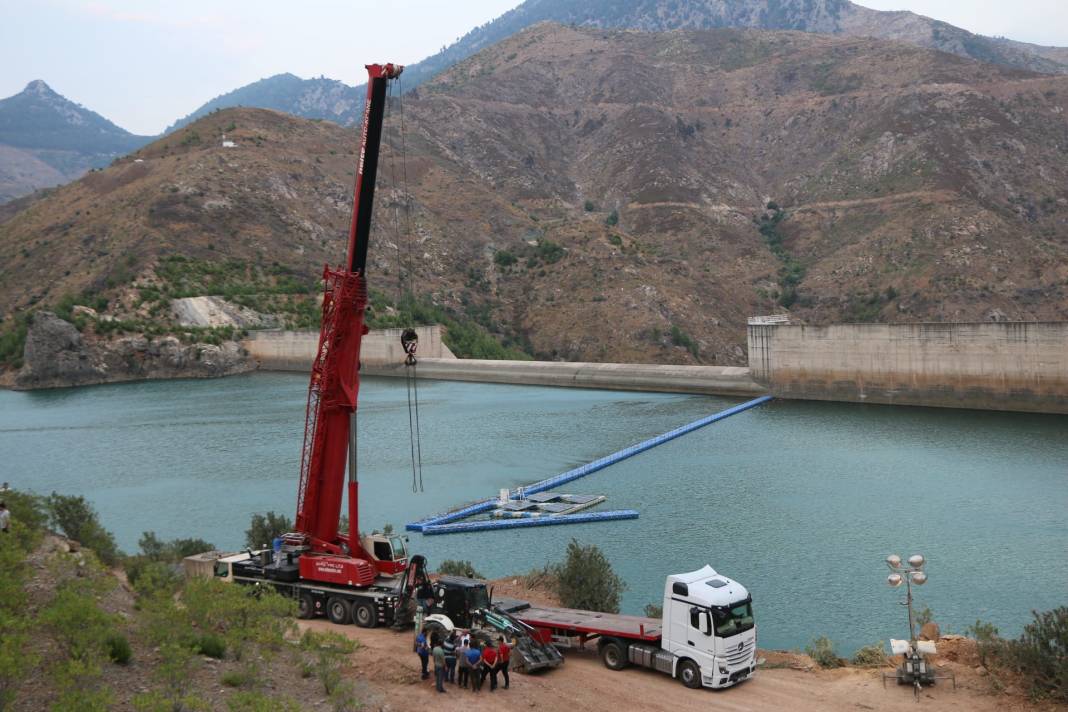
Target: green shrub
x,y
450,567
76,518
504,258
549,251
16,660
172,551
822,651
589,206
29,517
235,678
150,577
212,646
613,219
13,341
681,338
1041,653
119,650
586,580
870,656
616,240
328,650
79,626
654,610
265,527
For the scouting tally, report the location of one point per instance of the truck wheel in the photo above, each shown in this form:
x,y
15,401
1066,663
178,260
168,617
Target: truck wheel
x,y
364,615
337,610
690,674
305,606
614,655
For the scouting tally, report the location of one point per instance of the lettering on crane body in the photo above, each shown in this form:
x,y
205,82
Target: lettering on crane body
x,y
332,567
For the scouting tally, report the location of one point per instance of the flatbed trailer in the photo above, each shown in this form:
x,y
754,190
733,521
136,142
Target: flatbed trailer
x,y
565,624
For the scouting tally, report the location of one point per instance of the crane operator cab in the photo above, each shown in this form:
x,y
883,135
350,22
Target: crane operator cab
x,y
388,551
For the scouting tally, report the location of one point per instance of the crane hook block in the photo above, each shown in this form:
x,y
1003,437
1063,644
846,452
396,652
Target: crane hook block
x,y
410,342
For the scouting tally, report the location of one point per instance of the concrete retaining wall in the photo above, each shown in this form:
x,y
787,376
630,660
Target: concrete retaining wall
x,y
712,380
295,350
996,366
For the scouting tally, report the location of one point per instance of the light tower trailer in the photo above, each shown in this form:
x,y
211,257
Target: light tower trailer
x,y
706,638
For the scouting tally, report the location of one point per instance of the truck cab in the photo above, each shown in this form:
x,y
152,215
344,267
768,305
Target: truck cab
x,y
709,628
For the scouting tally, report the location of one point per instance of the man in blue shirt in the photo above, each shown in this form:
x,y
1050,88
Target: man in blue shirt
x,y
423,650
474,658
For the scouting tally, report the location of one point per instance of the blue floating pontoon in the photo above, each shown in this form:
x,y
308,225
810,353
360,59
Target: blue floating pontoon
x,y
531,521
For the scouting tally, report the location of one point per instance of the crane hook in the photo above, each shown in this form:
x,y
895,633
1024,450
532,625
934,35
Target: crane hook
x,y
410,341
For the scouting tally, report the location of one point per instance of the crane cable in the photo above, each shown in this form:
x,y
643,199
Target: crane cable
x,y
409,337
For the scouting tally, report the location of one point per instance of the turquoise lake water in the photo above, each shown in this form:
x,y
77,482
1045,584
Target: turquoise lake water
x,y
799,501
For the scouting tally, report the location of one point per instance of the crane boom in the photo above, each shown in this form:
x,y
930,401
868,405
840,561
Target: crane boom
x,y
329,431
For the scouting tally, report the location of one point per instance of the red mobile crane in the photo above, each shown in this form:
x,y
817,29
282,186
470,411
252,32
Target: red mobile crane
x,y
330,424
351,579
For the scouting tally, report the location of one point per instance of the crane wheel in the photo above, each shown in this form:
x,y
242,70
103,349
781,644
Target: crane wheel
x,y
690,674
364,615
337,610
614,655
305,606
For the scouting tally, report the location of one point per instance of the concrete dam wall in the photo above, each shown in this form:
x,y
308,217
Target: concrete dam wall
x,y
295,350
382,355
1019,366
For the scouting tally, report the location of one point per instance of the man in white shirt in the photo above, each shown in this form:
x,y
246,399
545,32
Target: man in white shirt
x,y
5,518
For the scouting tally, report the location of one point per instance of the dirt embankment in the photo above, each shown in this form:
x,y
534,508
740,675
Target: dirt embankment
x,y
787,681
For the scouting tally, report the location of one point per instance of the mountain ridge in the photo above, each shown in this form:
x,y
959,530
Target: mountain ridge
x,y
40,126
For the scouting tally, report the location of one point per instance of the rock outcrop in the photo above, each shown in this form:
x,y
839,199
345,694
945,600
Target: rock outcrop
x,y
58,355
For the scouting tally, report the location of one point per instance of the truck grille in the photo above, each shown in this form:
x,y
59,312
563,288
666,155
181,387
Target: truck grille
x,y
736,655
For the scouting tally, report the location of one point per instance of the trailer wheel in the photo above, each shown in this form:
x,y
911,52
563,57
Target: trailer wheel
x,y
305,606
614,655
337,610
364,615
690,674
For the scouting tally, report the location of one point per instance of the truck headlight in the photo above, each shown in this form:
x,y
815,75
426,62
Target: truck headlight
x,y
722,669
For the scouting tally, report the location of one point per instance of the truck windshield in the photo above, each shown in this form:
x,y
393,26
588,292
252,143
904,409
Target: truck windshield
x,y
479,598
735,619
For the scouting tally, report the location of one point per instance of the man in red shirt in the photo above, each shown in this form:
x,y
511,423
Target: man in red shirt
x,y
489,665
504,654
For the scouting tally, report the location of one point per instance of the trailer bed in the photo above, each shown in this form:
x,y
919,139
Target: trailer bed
x,y
570,621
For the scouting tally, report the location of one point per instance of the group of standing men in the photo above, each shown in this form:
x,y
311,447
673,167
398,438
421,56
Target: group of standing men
x,y
459,659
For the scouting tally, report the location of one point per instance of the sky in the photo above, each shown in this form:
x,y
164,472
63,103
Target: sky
x,y
143,64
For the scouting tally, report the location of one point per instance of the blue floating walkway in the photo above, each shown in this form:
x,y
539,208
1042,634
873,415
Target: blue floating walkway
x,y
542,521
563,478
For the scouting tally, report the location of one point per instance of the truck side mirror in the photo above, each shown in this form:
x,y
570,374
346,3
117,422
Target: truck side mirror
x,y
707,623
491,596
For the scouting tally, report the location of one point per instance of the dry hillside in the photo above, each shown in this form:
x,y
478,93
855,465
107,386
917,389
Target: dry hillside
x,y
616,195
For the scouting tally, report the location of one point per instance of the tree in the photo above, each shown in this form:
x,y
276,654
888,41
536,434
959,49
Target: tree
x,y
76,518
613,219
265,527
586,580
449,567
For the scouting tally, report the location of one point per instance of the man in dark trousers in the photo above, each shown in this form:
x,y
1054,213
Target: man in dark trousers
x,y
474,657
423,650
439,663
504,655
489,664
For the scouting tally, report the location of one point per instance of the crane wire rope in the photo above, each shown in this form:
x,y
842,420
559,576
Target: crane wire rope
x,y
409,340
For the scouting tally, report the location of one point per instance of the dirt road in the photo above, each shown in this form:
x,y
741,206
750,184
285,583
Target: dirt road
x,y
386,661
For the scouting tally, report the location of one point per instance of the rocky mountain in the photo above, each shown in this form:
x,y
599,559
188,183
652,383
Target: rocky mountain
x,y
46,139
316,98
599,194
838,17
331,99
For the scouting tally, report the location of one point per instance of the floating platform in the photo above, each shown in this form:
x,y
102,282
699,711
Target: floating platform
x,y
545,504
